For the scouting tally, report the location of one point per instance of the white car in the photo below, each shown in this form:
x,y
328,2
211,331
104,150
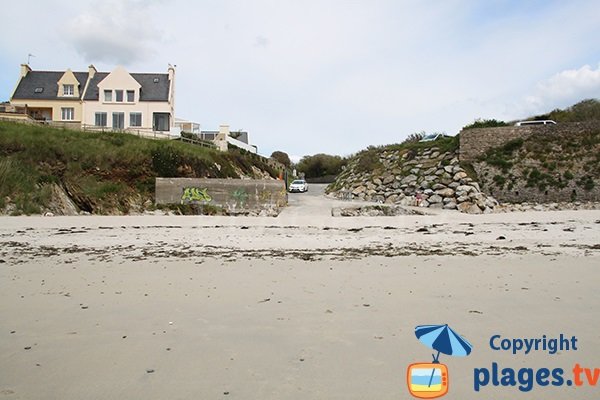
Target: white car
x,y
541,122
430,137
298,185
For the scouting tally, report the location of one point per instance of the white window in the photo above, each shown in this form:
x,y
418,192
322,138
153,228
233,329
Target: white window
x,y
118,120
119,95
130,96
135,119
67,114
68,90
100,119
108,95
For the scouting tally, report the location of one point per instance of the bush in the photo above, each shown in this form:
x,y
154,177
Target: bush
x,y
165,161
485,123
282,158
587,182
368,161
585,110
568,175
320,165
499,180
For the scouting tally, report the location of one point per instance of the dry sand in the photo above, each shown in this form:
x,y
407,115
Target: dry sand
x,y
294,307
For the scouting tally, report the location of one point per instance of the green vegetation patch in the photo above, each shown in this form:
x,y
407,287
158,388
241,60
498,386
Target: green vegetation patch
x,y
102,170
485,123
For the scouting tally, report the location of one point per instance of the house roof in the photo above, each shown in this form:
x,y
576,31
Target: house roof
x,y
48,82
155,87
152,90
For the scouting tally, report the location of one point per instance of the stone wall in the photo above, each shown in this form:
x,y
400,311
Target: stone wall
x,y
564,155
424,177
475,142
264,197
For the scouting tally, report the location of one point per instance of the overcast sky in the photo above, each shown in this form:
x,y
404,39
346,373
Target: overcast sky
x,y
310,76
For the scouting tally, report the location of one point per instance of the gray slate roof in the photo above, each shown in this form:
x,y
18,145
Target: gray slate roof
x,y
48,80
150,91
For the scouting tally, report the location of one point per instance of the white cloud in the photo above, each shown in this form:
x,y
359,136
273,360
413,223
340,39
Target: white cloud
x,y
121,32
326,76
565,88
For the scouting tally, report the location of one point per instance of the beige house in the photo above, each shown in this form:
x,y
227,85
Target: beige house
x,y
117,100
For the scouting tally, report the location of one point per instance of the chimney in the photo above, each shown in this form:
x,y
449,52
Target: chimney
x,y
25,69
171,70
92,71
224,130
221,138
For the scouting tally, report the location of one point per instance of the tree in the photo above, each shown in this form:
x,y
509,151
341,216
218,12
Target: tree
x,y
321,165
281,157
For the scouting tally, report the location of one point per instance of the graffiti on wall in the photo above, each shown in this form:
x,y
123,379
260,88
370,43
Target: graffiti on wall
x,y
240,196
194,195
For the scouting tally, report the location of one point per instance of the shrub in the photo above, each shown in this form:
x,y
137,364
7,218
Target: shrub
x,y
499,180
282,157
321,165
368,161
485,123
165,160
568,175
586,182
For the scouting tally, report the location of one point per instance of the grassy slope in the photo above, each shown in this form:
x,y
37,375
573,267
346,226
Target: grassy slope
x,y
103,172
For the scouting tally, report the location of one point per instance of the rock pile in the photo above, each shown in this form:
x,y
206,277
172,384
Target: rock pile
x,y
426,177
512,207
374,211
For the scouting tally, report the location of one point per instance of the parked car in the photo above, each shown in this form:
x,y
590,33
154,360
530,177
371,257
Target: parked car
x,y
298,185
541,122
430,137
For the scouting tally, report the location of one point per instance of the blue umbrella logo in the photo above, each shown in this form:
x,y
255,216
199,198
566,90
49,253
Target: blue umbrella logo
x,y
443,339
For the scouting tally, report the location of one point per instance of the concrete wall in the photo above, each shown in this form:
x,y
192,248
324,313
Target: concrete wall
x,y
475,142
234,195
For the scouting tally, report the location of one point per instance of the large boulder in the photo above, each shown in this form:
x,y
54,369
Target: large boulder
x,y
460,175
436,198
409,179
469,208
445,192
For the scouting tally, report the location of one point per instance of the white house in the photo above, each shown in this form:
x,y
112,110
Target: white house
x,y
117,100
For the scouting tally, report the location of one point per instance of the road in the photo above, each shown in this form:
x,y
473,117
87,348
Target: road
x,y
312,203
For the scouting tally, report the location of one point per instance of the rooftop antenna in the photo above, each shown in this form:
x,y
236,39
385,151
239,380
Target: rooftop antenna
x,y
29,58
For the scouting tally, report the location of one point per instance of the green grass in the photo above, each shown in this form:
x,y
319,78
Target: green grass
x,y
104,169
368,159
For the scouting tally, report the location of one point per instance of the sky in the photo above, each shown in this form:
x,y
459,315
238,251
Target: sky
x,y
325,76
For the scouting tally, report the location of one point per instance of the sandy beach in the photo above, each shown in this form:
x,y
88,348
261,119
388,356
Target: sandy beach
x,y
302,306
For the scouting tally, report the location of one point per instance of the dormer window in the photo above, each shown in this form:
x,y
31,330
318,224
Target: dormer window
x,y
68,90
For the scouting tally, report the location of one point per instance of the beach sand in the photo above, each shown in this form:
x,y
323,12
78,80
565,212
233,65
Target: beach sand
x,y
294,307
